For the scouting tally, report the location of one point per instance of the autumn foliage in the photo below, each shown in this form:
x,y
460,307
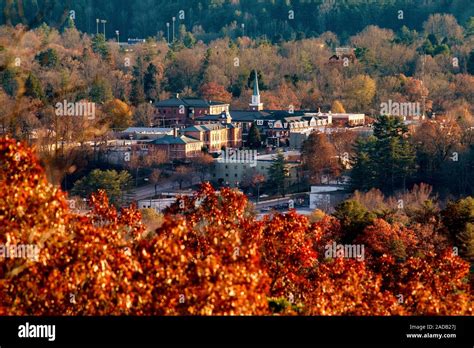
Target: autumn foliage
x,y
211,256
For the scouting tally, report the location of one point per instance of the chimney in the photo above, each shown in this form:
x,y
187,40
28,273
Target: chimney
x,y
177,95
175,132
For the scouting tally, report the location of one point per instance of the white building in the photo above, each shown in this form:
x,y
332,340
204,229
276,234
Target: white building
x,y
159,204
325,197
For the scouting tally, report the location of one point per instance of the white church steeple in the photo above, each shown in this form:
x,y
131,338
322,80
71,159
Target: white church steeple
x,y
256,105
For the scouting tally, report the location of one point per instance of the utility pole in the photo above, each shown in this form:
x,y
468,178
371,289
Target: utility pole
x,y
118,37
168,27
174,20
97,22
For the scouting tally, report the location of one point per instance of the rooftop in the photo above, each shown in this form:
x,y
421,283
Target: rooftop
x,y
189,102
203,128
148,130
170,140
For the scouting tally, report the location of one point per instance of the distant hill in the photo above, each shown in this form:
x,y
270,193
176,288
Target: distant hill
x,y
213,18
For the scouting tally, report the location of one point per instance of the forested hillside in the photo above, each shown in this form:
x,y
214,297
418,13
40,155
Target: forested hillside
x,y
276,19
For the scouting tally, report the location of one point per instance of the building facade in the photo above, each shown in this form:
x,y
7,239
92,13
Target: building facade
x,y
215,136
178,111
177,147
240,173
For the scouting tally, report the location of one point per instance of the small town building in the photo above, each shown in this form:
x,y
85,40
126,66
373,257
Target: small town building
x,y
177,147
184,111
240,173
145,132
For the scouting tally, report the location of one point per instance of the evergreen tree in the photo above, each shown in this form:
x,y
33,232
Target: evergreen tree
x,y
99,45
137,94
254,140
48,58
354,218
189,40
8,80
458,219
386,160
33,87
114,183
278,172
70,24
470,63
364,172
101,91
150,83
470,27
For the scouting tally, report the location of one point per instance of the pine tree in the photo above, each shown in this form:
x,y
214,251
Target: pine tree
x,y
470,63
48,58
458,219
363,173
150,83
101,91
466,239
386,160
33,87
137,94
99,45
70,24
278,172
8,80
254,140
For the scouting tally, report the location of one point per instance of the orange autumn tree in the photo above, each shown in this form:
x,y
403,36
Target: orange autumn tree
x,y
433,285
215,92
204,259
84,266
286,245
101,264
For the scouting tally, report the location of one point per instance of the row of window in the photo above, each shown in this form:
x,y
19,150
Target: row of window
x,y
301,124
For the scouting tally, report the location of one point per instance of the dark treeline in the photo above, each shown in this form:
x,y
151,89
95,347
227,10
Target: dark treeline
x,y
275,19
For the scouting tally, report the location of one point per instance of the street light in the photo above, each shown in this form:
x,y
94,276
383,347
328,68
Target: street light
x,y
243,29
118,36
103,21
174,20
168,27
97,20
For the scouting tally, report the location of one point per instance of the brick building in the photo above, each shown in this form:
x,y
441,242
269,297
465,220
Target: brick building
x,y
215,136
184,111
177,147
